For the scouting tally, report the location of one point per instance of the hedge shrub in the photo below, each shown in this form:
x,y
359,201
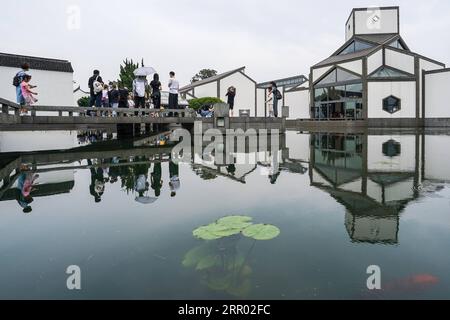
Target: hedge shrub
x,y
197,104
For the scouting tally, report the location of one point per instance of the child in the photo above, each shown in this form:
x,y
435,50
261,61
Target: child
x,y
130,101
105,97
27,94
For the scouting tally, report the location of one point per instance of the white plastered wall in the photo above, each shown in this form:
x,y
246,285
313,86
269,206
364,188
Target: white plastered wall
x,y
54,88
387,23
401,61
436,88
374,61
245,92
206,90
355,66
427,66
298,103
317,73
406,91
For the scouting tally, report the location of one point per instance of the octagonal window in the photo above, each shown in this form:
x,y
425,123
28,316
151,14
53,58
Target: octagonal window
x,y
392,104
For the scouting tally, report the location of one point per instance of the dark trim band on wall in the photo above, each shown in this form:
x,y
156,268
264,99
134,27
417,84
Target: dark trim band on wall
x,y
365,107
218,89
397,79
437,71
423,93
417,74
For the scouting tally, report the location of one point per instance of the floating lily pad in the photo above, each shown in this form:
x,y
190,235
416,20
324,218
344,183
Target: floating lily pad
x,y
235,222
205,233
261,232
215,231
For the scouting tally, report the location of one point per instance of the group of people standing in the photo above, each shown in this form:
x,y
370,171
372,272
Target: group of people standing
x,y
25,95
142,93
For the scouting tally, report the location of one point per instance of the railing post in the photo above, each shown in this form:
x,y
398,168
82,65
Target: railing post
x,y
5,109
33,112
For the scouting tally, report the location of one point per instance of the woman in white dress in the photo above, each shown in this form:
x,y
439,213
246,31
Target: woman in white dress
x,y
269,102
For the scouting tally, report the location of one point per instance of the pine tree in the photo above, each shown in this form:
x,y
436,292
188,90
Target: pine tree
x,y
126,75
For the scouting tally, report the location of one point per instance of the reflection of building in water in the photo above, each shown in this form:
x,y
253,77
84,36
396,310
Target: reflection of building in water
x,y
271,156
373,177
20,141
208,169
436,157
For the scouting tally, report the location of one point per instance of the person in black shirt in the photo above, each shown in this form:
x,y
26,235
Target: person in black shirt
x,y
156,91
123,97
96,98
231,93
114,97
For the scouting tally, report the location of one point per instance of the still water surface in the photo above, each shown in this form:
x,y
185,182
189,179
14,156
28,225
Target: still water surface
x,y
125,215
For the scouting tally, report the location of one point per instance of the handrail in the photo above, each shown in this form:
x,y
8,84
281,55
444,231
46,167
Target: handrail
x,y
9,103
8,106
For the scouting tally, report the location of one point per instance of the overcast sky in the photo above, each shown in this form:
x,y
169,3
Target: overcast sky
x,y
273,39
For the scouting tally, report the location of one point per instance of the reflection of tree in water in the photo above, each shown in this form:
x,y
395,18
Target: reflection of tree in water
x,y
224,266
129,174
204,173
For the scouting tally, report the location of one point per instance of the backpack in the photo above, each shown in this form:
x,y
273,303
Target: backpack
x,y
98,87
17,80
278,94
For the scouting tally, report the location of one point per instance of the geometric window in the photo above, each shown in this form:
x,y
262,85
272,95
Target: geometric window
x,y
397,44
391,104
355,46
387,72
392,148
338,75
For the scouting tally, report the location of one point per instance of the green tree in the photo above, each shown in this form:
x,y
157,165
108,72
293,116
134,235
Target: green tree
x,y
126,75
83,102
201,102
204,74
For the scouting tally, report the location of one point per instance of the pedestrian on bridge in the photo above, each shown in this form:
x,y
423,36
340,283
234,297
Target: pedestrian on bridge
x,y
174,86
17,81
28,95
95,85
139,86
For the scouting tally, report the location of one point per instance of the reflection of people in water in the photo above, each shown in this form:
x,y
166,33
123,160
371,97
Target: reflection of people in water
x,y
174,182
141,184
97,186
231,169
274,171
25,185
156,179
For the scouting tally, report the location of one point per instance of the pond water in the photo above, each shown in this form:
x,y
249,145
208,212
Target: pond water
x,y
125,214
